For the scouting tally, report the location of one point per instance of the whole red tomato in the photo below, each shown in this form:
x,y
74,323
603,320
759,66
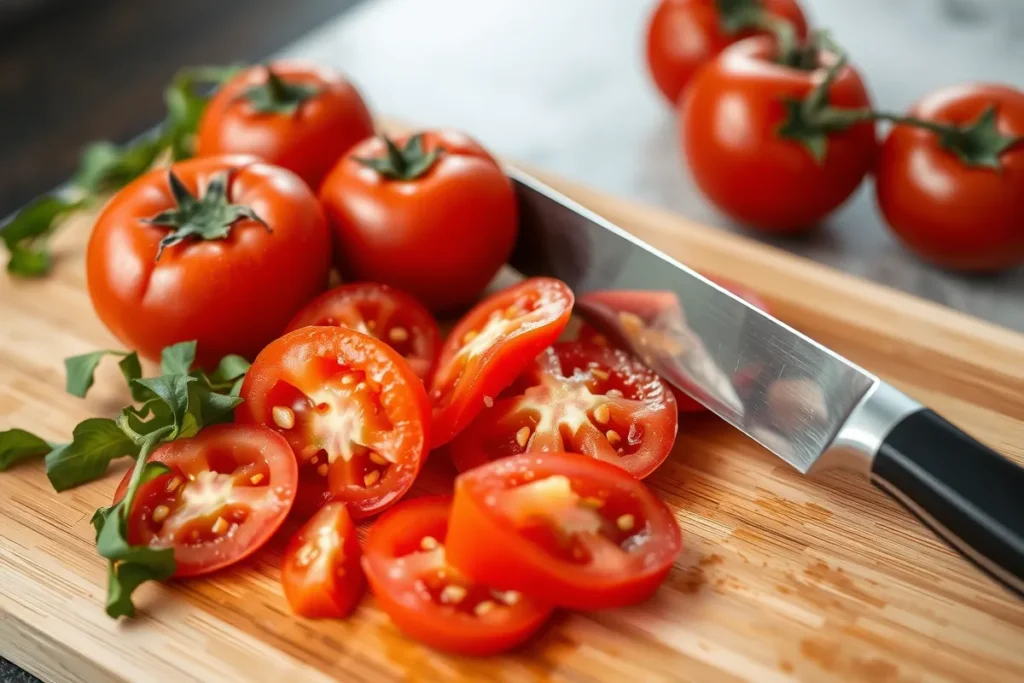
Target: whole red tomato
x,y
432,214
732,124
683,35
223,250
955,213
295,115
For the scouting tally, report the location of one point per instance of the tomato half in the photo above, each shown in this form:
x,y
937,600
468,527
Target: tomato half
x,y
229,489
381,312
490,346
569,530
232,288
305,120
601,402
432,214
948,212
320,573
429,600
353,411
730,120
683,35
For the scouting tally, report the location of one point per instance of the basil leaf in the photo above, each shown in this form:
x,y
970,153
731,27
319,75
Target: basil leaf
x,y
218,408
17,445
80,371
124,577
230,369
173,390
104,166
185,105
95,443
137,423
178,358
131,368
25,235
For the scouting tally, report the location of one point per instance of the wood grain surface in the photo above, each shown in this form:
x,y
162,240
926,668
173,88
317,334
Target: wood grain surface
x,y
782,578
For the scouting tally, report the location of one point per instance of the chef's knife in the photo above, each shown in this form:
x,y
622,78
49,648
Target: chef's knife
x,y
808,405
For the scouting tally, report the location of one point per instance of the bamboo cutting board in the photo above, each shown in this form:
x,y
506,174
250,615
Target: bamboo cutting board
x,y
782,578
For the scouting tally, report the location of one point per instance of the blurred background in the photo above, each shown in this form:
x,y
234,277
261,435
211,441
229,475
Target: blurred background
x,y
560,85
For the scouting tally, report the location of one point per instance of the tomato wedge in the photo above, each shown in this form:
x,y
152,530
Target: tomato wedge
x,y
381,312
229,489
490,346
431,602
601,402
569,530
353,411
320,573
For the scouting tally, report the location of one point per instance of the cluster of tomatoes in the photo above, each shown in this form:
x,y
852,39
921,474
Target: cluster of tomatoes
x,y
352,387
778,131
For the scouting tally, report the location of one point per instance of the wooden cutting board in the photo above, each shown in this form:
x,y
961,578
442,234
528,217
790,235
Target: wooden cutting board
x,y
782,578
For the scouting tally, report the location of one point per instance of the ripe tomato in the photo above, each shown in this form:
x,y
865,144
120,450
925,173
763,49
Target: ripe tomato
x,y
650,309
381,312
229,489
950,213
432,214
231,283
730,124
600,402
490,346
298,116
569,530
683,35
320,572
429,600
353,411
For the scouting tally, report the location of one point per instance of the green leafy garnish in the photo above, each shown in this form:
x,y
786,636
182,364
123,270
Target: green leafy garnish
x,y
17,445
26,235
95,442
177,359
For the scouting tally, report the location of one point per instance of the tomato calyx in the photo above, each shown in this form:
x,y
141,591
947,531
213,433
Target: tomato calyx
x,y
408,162
208,217
738,16
277,95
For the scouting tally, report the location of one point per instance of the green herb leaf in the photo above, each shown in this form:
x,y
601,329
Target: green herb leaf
x,y
95,443
178,358
229,371
186,99
124,577
26,235
80,371
137,423
131,369
173,390
17,445
218,408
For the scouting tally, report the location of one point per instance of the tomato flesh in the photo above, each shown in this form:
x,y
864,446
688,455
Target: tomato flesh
x,y
429,600
353,411
600,402
569,530
490,346
381,312
321,574
229,489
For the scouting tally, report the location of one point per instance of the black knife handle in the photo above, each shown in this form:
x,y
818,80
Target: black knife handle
x,y
964,491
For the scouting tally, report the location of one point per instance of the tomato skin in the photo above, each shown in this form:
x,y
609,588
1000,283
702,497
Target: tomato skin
x,y
441,236
683,35
572,380
387,309
729,123
217,292
323,579
948,213
463,385
486,546
397,533
253,451
308,142
387,405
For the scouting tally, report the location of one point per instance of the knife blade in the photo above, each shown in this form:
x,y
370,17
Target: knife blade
x,y
808,405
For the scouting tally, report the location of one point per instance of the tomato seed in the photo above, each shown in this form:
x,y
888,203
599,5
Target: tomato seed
x,y
284,417
173,484
256,478
348,379
452,594
372,478
488,401
483,607
523,436
428,543
378,459
508,597
314,460
360,387
613,393
599,373
625,522
398,334
323,469
160,513
613,437
469,336
220,526
591,502
602,414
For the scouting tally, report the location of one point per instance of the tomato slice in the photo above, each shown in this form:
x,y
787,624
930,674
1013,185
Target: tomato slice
x,y
229,489
430,601
569,530
320,573
647,314
490,346
353,411
601,402
381,312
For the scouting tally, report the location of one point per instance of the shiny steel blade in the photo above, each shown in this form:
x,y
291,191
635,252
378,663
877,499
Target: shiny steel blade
x,y
782,389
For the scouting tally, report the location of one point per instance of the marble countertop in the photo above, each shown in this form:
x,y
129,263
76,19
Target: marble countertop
x,y
563,86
